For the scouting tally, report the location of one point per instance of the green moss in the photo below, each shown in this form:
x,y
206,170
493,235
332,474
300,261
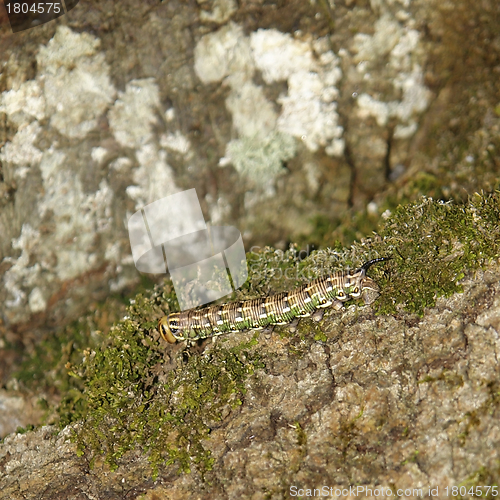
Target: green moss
x,y
451,379
133,400
47,366
484,484
433,244
301,435
272,270
320,337
24,430
413,458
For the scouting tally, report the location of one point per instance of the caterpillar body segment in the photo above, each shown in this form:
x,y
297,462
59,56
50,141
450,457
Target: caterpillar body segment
x,y
278,309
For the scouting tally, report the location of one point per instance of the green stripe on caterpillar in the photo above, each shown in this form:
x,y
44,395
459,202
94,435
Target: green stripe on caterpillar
x,y
278,309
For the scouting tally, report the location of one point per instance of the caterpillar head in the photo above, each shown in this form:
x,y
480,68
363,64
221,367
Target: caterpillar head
x,y
359,285
168,327
369,290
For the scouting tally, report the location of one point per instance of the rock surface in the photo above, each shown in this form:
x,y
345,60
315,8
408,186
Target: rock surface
x,y
283,117
116,105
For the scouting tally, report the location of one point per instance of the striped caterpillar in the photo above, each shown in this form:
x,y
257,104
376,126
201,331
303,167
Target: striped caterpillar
x,y
278,309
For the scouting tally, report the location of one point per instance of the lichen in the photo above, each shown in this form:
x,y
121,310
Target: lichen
x,y
308,109
76,82
261,160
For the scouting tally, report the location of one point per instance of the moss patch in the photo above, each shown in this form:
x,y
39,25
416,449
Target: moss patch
x,y
433,244
132,402
482,483
135,395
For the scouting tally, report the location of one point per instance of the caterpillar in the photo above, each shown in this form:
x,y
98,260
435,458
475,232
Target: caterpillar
x,y
278,309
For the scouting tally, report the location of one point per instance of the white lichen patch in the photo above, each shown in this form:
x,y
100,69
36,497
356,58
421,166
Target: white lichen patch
x,y
72,86
368,106
414,100
67,47
278,55
75,82
313,175
133,114
60,238
177,142
224,53
170,115
260,159
153,179
37,301
394,49
403,50
310,113
21,274
24,104
98,154
371,48
122,164
78,216
415,94
243,102
132,119
21,151
308,109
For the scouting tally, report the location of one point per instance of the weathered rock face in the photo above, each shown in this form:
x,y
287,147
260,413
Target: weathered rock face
x,y
282,117
400,403
287,119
